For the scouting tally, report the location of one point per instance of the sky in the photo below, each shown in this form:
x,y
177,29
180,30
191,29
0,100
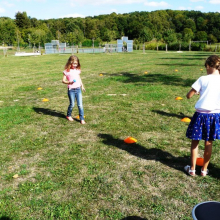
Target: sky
x,y
48,9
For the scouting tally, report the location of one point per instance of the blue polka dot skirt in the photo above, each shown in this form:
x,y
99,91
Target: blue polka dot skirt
x,y
204,127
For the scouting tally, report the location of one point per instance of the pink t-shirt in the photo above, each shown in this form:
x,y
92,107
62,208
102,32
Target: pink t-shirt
x,y
73,74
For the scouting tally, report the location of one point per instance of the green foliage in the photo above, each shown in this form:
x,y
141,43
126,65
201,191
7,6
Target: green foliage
x,y
22,21
198,46
201,36
146,35
190,25
169,36
8,31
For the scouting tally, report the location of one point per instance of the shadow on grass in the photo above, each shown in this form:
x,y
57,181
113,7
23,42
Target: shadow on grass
x,y
133,218
174,80
46,111
181,64
164,157
5,218
180,115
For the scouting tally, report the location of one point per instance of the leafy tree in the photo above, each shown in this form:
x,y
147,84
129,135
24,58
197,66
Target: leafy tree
x,y
146,35
158,36
169,36
7,30
201,23
188,34
216,32
190,24
179,22
201,36
212,38
37,36
22,21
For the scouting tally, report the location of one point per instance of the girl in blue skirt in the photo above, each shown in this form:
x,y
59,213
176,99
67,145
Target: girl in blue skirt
x,y
205,124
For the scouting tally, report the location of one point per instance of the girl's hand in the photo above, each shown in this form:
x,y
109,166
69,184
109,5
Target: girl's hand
x,y
83,89
70,83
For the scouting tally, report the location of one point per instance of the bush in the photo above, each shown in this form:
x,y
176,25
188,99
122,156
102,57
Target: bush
x,y
198,46
151,46
176,46
162,47
88,43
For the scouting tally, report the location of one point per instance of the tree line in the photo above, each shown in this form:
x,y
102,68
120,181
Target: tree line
x,y
168,26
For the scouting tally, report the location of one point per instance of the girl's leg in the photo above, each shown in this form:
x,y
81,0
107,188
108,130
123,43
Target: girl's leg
x,y
207,154
71,105
80,105
194,153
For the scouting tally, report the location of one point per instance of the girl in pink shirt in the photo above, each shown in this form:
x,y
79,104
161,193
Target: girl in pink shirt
x,y
71,77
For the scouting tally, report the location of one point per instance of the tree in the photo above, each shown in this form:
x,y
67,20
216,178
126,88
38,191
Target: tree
x,y
169,36
201,36
212,38
187,34
201,23
146,35
37,36
7,30
190,24
22,21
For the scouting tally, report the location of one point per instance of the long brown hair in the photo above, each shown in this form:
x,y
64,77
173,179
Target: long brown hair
x,y
69,62
213,61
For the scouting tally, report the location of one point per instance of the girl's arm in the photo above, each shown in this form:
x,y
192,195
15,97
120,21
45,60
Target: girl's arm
x,y
65,81
82,84
191,93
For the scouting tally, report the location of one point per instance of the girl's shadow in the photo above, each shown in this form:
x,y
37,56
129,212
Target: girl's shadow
x,y
164,157
46,111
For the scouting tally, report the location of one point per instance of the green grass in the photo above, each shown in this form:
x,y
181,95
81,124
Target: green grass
x,y
70,171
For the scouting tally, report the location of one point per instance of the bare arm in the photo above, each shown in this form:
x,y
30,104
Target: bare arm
x,y
65,81
82,84
191,93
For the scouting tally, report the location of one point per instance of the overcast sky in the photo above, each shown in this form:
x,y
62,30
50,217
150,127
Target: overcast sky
x,y
46,9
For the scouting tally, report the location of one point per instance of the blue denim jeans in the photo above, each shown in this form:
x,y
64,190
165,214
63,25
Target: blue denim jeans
x,y
75,94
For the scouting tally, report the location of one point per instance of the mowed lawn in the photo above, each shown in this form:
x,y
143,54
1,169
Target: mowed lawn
x,y
51,168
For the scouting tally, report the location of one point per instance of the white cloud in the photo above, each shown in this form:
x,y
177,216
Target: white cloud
x,y
7,4
184,8
199,8
2,10
75,15
215,2
105,2
198,0
156,4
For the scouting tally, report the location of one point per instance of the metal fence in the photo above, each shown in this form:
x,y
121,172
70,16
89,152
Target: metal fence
x,y
74,50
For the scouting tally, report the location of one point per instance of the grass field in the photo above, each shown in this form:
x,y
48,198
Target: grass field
x,y
66,170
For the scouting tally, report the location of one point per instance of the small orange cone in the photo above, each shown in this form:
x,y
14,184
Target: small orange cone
x,y
39,88
199,161
15,176
77,117
178,98
186,119
100,74
130,140
45,100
